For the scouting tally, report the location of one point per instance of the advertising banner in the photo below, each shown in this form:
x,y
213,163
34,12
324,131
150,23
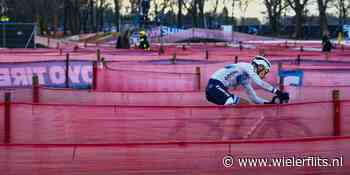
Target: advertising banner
x,y
50,74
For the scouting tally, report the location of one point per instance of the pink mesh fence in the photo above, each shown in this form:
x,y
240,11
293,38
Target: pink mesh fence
x,y
67,96
123,80
345,108
194,158
141,78
159,78
323,75
2,125
307,94
169,132
327,77
218,52
90,124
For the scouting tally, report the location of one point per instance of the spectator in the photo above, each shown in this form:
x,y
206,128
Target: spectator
x,y
326,45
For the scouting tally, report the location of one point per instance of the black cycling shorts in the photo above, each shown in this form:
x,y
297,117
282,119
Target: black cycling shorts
x,y
217,93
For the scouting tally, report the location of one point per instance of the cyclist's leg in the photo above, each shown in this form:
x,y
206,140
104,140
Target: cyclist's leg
x,y
218,94
231,101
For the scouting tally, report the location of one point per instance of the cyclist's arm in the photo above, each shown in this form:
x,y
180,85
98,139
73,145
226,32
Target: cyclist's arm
x,y
261,83
252,95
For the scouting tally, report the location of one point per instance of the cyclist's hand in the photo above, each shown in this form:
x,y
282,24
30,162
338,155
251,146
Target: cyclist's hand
x,y
282,96
273,101
277,100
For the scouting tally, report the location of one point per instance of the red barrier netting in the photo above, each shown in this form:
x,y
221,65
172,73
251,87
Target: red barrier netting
x,y
194,158
148,78
2,124
345,121
332,77
109,79
199,75
182,80
183,76
68,96
81,124
193,51
314,93
323,75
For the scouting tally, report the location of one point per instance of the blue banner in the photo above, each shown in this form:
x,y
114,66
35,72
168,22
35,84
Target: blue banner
x,y
50,74
164,30
292,77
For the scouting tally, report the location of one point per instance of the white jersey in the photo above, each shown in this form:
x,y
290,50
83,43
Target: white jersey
x,y
243,74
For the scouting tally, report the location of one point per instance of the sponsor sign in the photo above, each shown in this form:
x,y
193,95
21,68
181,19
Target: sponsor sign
x,y
50,74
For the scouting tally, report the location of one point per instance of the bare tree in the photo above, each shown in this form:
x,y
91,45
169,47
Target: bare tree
x,y
191,8
299,7
171,12
343,7
216,5
163,6
233,22
179,13
92,16
233,12
196,9
214,16
76,15
243,5
76,27
135,6
100,9
225,16
117,8
322,9
66,15
200,5
55,9
3,7
274,10
84,17
72,16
